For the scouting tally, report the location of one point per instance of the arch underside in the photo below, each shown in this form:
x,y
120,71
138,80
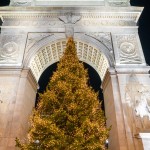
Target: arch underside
x,y
52,52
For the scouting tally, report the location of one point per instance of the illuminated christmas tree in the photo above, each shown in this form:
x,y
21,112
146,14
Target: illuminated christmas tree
x,y
69,115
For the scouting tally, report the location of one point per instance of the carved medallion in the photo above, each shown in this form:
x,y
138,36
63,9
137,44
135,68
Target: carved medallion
x,y
128,49
10,49
9,52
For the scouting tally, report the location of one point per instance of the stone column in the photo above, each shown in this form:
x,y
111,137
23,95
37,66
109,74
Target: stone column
x,y
134,85
127,96
113,111
17,98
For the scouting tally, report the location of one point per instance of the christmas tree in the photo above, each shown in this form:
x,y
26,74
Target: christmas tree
x,y
69,115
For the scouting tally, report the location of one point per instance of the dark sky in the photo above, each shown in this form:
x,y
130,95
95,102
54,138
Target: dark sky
x,y
4,2
144,26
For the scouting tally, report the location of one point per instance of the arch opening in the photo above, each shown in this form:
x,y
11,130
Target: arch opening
x,y
94,80
52,52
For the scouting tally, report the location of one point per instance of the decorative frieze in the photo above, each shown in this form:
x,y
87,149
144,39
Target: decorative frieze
x,y
107,23
57,3
80,19
119,3
45,22
116,3
21,2
128,49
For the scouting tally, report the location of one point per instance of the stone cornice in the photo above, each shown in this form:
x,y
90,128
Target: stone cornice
x,y
133,69
96,15
101,18
127,15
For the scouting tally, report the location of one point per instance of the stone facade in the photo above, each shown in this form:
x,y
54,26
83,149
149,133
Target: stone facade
x,y
106,37
18,91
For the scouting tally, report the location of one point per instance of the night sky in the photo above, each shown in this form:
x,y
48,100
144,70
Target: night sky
x,y
144,26
144,34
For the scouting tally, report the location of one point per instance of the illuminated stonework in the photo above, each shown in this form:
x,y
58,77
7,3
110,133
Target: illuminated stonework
x,y
68,2
52,52
106,37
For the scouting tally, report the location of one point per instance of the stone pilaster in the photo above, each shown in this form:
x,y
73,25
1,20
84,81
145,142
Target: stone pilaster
x,y
126,96
17,98
113,111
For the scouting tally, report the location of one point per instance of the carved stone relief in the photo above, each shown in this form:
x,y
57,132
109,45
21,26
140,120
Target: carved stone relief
x,y
119,4
89,22
82,19
137,97
9,48
107,19
104,38
25,22
69,20
21,2
9,52
34,38
142,107
128,49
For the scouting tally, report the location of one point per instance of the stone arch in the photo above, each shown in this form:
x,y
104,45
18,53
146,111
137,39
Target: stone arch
x,y
49,50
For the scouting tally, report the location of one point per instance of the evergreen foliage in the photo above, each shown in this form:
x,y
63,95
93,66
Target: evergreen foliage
x,y
69,116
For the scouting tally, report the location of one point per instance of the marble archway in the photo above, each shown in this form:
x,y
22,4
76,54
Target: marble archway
x,y
50,49
52,52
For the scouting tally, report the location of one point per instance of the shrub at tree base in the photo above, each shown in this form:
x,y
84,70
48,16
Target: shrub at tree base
x,y
69,116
